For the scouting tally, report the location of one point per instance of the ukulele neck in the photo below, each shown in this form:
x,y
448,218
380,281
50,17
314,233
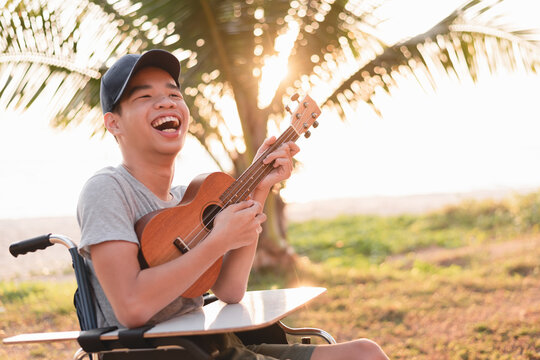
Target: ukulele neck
x,y
248,181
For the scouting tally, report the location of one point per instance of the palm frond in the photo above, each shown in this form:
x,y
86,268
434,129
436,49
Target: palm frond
x,y
333,42
52,58
474,42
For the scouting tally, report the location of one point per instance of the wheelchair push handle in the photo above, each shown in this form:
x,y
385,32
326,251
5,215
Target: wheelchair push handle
x,y
39,243
30,245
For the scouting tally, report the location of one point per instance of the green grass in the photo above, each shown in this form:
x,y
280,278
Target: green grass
x,y
39,299
460,283
360,240
37,307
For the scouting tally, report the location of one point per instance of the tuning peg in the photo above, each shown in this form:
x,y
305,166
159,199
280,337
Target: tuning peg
x,y
307,134
315,124
288,109
295,97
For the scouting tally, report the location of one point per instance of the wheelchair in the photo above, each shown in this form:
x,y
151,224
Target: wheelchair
x,y
132,343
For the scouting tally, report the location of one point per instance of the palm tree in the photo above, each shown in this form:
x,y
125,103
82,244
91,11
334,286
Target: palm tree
x,y
242,61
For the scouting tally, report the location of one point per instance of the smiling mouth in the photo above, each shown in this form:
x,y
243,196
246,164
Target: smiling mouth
x,y
166,124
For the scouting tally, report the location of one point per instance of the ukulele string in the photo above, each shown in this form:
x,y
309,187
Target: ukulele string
x,y
239,184
259,175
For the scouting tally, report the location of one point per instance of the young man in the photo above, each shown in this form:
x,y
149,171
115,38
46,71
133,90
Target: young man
x,y
144,110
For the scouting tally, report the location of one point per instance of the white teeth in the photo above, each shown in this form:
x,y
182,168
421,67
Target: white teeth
x,y
165,119
168,130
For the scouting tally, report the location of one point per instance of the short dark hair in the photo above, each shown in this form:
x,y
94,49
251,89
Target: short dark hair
x,y
117,108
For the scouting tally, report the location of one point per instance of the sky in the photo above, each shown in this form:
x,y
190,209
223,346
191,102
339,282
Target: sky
x,y
462,138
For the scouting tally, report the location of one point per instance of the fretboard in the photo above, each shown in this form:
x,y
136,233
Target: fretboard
x,y
242,187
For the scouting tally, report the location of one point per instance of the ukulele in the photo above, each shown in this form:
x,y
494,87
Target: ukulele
x,y
169,233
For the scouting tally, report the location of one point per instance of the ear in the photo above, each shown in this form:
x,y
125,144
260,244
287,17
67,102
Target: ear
x,y
112,123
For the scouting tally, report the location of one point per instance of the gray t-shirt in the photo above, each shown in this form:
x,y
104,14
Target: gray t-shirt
x,y
110,204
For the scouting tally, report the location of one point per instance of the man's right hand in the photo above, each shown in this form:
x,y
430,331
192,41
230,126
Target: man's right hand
x,y
239,225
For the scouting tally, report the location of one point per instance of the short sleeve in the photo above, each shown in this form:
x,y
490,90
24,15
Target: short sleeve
x,y
104,213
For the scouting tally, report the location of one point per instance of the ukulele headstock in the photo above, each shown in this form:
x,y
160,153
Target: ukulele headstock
x,y
305,115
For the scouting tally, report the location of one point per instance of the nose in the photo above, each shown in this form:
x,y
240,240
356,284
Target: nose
x,y
164,102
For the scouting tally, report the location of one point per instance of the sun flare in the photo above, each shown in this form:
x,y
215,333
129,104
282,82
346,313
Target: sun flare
x,y
275,67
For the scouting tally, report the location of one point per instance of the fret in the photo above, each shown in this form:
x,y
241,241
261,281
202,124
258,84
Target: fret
x,y
253,175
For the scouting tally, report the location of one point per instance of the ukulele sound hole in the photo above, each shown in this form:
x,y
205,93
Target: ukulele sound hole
x,y
209,214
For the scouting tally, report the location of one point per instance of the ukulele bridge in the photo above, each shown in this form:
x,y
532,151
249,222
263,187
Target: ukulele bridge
x,y
181,245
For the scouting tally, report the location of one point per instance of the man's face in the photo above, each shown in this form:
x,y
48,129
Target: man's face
x,y
154,118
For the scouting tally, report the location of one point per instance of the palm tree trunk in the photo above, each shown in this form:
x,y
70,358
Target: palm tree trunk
x,y
273,250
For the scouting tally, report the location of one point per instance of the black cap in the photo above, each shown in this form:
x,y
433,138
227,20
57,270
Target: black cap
x,y
115,80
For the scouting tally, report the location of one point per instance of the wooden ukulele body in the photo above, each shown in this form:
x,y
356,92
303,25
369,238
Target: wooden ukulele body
x,y
167,234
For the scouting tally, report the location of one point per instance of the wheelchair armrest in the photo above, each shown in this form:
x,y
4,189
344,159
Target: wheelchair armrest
x,y
308,332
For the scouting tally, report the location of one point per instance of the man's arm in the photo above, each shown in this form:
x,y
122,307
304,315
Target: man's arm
x,y
136,295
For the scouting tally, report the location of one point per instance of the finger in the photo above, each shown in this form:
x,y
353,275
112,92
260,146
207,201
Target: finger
x,y
257,207
288,150
261,217
280,153
251,208
295,149
242,205
267,143
270,140
285,163
258,227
